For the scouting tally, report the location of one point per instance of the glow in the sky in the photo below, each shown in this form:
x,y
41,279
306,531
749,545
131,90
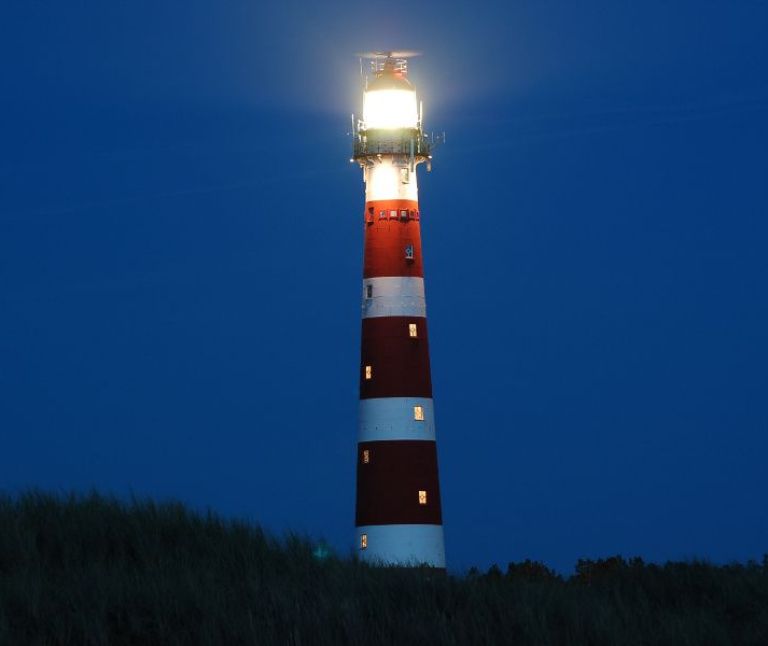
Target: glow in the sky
x,y
390,109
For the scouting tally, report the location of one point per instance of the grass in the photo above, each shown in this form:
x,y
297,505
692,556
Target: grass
x,y
94,570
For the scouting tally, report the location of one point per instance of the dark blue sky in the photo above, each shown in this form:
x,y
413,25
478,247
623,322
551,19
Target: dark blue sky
x,y
181,249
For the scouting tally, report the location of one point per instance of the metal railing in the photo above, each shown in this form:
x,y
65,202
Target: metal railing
x,y
413,143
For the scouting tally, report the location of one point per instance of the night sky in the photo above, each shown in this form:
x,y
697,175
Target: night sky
x,y
181,261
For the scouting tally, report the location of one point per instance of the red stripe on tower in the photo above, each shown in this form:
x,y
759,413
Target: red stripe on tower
x,y
398,511
392,239
397,347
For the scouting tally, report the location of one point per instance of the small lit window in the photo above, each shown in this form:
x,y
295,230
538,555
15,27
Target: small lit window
x,y
393,215
404,214
409,252
363,541
416,214
418,413
366,456
369,291
368,372
412,332
382,215
422,497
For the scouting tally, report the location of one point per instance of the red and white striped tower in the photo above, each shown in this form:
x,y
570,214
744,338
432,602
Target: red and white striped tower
x,y
398,515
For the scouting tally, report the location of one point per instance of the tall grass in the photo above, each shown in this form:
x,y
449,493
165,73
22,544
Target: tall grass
x,y
93,570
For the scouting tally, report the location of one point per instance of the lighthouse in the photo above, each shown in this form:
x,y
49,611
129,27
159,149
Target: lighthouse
x,y
398,512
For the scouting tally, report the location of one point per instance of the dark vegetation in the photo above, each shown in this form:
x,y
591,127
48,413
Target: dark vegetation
x,y
92,570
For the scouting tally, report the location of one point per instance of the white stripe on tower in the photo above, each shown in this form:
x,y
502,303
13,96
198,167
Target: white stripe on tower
x,y
392,418
411,545
394,296
384,181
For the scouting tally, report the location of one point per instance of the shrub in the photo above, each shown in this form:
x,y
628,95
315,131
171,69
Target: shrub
x,y
94,570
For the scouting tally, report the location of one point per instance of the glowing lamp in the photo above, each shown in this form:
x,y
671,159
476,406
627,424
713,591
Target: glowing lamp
x,y
390,109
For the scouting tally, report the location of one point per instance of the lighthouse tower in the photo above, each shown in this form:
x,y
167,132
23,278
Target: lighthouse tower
x,y
398,515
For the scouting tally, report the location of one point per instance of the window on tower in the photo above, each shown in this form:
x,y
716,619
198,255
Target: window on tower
x,y
382,215
368,372
393,215
363,541
366,456
418,413
409,252
369,291
404,214
422,497
412,331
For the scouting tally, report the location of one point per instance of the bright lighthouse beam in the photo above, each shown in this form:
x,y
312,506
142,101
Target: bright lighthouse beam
x,y
390,109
